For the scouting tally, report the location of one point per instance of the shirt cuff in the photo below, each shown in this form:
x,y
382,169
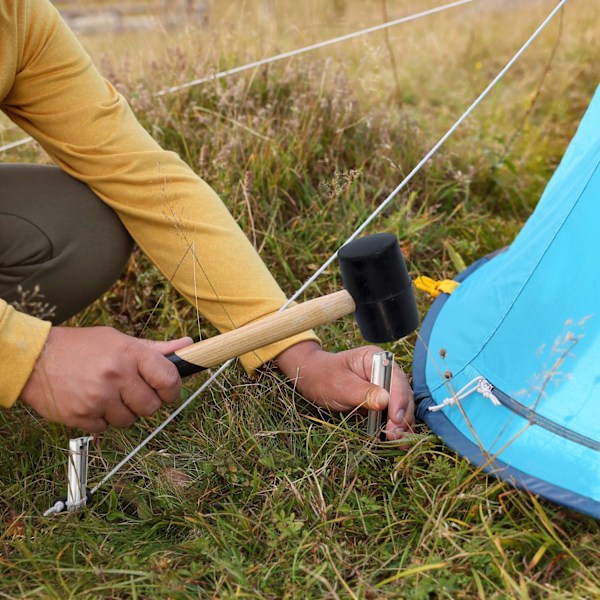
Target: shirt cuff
x,y
22,338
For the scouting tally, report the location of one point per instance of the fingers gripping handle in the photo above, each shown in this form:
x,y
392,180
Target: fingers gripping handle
x,y
274,328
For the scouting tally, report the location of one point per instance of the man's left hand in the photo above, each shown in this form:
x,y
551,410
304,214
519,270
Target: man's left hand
x,y
341,382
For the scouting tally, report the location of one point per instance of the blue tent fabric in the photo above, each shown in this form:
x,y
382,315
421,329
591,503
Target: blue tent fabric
x,y
528,322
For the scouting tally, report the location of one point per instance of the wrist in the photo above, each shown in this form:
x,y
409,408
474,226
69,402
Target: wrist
x,y
35,383
292,359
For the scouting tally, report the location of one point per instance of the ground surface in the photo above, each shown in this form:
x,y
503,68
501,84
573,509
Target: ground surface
x,y
253,493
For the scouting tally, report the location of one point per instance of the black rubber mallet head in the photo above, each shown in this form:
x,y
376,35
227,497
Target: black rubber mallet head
x,y
378,291
374,274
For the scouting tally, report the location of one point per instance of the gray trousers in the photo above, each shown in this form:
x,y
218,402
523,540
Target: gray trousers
x,y
57,237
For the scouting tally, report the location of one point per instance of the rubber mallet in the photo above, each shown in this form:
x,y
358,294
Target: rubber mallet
x,y
378,290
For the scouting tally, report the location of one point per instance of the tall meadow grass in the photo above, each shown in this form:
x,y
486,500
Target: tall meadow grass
x,y
254,493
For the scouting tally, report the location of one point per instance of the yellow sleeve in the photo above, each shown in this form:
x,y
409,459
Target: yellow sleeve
x,y
21,340
58,97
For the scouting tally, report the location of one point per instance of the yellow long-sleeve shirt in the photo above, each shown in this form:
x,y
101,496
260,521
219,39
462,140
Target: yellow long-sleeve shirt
x,y
51,89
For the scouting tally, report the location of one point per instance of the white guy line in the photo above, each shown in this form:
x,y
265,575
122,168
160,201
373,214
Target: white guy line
x,y
278,57
323,44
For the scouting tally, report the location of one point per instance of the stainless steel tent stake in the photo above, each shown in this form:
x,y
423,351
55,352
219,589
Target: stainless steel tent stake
x,y
78,472
381,375
77,477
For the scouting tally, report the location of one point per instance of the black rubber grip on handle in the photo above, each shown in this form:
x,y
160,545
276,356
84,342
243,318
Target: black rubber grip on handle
x,y
184,367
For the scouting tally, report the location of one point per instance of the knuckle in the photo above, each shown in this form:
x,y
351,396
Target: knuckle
x,y
84,410
112,369
169,383
370,399
96,399
365,356
154,408
123,422
172,378
148,407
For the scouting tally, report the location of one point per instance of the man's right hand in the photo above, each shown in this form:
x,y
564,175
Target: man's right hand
x,y
94,377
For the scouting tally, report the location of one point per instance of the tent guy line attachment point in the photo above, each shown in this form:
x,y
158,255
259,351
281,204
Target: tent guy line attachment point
x,y
479,384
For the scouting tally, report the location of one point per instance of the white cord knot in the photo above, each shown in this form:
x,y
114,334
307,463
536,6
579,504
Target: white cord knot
x,y
484,387
58,507
479,384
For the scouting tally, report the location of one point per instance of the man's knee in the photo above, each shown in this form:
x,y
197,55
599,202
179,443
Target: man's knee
x,y
57,236
23,249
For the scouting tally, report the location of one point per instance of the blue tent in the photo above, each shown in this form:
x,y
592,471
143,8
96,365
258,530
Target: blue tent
x,y
507,370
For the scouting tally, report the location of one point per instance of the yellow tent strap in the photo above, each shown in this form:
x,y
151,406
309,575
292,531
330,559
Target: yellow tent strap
x,y
435,288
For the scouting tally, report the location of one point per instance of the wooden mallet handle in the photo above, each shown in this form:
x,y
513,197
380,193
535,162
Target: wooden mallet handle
x,y
378,290
274,328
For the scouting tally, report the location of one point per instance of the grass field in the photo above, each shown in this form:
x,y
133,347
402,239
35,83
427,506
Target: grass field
x,y
253,493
